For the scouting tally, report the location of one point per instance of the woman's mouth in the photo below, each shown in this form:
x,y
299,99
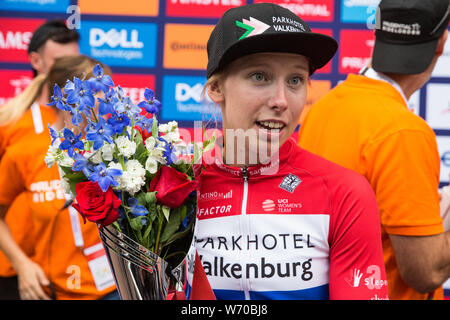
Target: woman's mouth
x,y
270,125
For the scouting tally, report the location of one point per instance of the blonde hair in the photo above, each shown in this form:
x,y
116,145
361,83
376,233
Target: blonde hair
x,y
64,68
17,106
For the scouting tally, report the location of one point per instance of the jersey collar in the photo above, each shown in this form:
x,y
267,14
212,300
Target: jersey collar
x,y
272,167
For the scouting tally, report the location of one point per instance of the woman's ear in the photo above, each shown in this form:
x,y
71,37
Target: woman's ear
x,y
215,92
36,61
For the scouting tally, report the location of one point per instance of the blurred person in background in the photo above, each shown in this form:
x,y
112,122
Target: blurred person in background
x,y
68,260
365,124
28,113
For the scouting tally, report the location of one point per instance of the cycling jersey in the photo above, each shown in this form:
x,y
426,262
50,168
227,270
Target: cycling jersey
x,y
299,227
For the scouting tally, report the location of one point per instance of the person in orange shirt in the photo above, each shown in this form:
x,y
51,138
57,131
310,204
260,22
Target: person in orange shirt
x,y
69,261
364,124
24,114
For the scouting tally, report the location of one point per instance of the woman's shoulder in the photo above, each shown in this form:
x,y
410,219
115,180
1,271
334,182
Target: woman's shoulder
x,y
334,175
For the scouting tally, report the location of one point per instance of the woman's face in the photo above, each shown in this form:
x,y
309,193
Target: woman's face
x,y
262,96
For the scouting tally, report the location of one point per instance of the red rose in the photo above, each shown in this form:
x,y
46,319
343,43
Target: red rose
x,y
95,205
173,186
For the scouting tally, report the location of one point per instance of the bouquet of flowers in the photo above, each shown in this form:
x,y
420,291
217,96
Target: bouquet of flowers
x,y
125,170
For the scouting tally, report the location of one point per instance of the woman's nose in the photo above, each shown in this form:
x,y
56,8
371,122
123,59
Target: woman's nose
x,y
278,99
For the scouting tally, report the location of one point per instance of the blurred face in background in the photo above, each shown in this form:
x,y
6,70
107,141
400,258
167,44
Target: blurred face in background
x,y
42,60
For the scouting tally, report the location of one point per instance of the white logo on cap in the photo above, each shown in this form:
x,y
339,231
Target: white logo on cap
x,y
401,28
253,27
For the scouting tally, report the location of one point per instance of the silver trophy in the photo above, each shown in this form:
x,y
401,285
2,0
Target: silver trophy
x,y
139,273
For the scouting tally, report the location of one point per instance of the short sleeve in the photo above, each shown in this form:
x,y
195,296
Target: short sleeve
x,y
357,268
403,169
11,181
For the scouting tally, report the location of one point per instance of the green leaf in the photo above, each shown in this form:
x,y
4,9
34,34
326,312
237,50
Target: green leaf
x,y
172,226
150,197
136,223
155,131
141,151
166,211
180,234
66,170
197,154
209,143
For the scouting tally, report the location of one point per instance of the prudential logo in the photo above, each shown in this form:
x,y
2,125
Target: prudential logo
x,y
124,44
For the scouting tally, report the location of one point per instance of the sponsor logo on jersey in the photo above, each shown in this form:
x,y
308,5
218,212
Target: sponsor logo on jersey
x,y
216,195
268,205
371,278
290,182
46,191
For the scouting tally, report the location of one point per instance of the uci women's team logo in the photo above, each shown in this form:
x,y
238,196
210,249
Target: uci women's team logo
x,y
253,27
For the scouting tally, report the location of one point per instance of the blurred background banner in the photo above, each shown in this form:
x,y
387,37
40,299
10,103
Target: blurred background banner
x,y
161,44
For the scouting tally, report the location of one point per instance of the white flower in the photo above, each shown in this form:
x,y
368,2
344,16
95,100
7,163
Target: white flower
x,y
108,151
155,152
66,160
53,154
93,156
151,165
132,178
126,147
65,183
173,136
168,127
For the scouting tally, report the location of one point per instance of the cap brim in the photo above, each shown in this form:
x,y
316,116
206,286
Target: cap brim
x,y
317,47
403,59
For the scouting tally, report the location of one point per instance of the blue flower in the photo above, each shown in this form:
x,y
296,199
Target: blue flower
x,y
105,177
82,164
77,117
169,152
127,106
79,92
118,122
53,133
106,105
58,99
100,81
136,209
71,142
144,123
151,104
101,133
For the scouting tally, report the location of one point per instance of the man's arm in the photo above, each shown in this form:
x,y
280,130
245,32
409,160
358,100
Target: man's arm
x,y
423,261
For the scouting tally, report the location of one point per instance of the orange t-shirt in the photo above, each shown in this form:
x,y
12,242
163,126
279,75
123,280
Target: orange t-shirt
x,y
364,125
66,264
18,219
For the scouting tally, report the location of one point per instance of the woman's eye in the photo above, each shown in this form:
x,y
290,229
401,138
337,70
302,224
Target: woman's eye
x,y
295,80
258,76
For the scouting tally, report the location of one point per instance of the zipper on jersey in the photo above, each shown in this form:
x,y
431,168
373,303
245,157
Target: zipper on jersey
x,y
245,227
245,195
